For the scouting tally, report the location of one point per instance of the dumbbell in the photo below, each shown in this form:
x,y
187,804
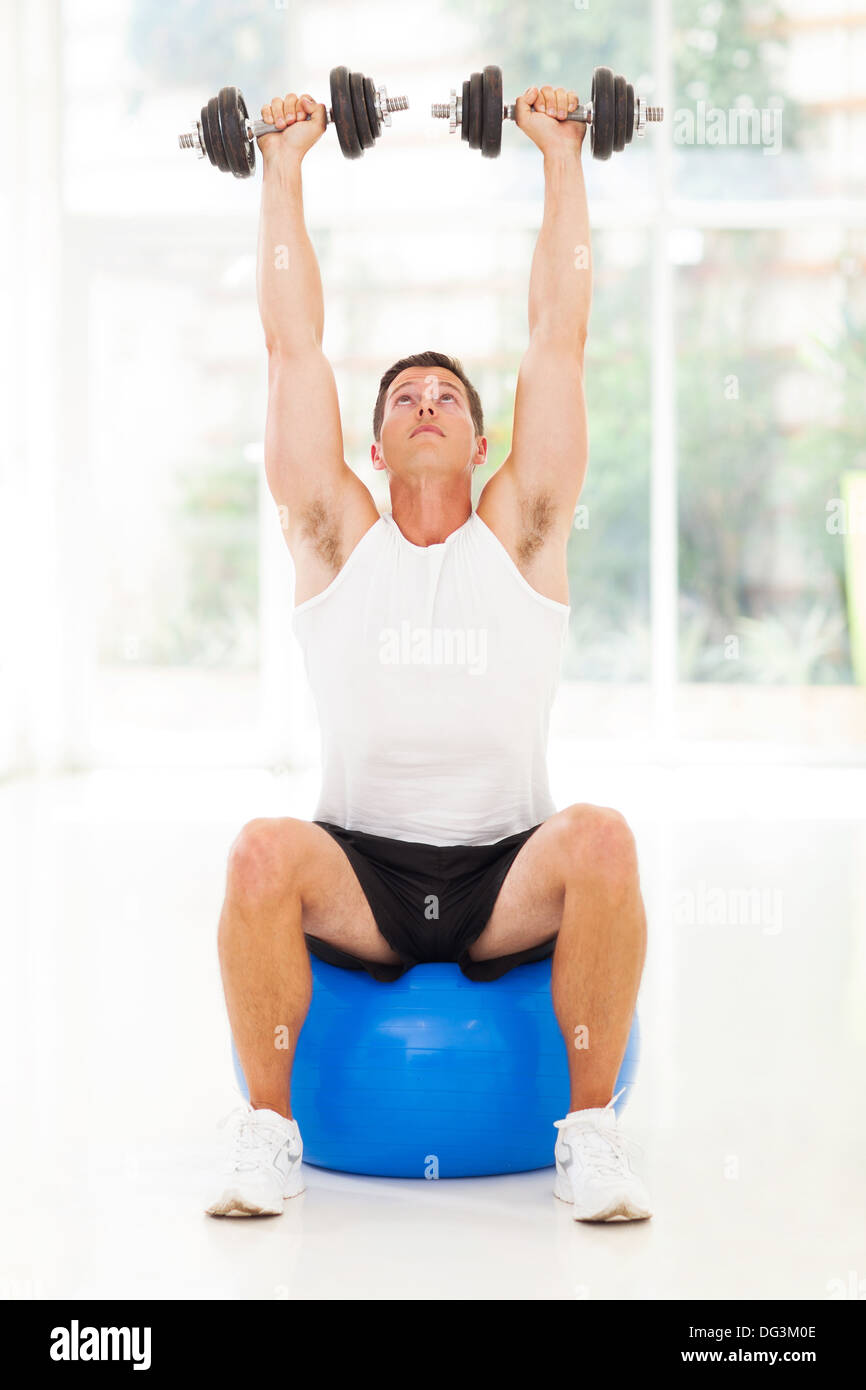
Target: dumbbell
x,y
613,113
225,133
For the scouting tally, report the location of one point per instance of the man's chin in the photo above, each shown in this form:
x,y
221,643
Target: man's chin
x,y
431,455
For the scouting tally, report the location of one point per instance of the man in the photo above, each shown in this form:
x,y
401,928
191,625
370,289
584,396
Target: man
x,y
423,751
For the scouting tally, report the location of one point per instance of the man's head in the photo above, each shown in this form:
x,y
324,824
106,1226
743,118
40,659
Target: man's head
x,y
428,420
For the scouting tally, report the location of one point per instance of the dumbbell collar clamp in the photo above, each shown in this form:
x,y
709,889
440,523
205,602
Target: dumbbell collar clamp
x,y
192,140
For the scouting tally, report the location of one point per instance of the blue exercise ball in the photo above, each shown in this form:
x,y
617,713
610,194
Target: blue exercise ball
x,y
434,1075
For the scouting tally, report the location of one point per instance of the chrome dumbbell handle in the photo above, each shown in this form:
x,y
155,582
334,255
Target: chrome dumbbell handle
x,y
580,113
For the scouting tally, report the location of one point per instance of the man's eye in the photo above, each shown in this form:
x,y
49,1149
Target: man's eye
x,y
441,396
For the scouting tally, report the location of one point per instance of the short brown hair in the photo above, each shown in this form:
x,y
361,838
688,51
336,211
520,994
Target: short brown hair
x,y
427,359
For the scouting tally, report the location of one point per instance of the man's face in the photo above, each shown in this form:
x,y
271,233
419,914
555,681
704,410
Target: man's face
x,y
427,426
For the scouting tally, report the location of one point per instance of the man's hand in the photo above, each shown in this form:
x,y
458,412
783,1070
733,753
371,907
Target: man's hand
x,y
541,114
295,134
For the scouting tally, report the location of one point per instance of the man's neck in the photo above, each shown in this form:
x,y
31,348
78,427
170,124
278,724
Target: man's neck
x,y
427,514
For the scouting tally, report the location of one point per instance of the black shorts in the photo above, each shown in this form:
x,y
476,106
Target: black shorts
x,y
430,902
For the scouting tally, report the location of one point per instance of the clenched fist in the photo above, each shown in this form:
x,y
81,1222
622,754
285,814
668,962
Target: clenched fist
x,y
541,113
295,133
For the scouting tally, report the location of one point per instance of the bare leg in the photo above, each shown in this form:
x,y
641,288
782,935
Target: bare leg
x,y
577,879
285,877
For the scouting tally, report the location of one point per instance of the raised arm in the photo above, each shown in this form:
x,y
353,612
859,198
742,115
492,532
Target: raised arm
x,y
324,506
529,502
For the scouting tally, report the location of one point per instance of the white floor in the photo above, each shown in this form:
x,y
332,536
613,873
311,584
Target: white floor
x,y
749,1106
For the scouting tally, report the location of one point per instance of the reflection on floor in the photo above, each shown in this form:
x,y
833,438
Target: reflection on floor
x,y
749,1104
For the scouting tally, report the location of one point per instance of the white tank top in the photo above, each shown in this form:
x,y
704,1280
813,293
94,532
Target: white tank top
x,y
433,670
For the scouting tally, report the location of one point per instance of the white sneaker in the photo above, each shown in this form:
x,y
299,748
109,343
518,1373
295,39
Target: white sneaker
x,y
264,1166
593,1170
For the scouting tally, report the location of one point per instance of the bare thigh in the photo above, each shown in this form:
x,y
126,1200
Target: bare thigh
x,y
333,904
528,909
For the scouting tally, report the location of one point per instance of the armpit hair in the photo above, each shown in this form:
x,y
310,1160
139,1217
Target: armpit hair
x,y
319,526
536,519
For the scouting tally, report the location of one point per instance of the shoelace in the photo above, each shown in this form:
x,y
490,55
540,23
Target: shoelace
x,y
251,1139
605,1151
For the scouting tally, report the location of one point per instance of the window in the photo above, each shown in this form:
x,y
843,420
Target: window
x,y
717,560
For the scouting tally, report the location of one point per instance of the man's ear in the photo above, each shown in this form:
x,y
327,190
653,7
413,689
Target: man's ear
x,y
376,456
480,448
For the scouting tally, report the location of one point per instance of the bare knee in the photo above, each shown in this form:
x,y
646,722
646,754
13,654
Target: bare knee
x,y
266,859
597,843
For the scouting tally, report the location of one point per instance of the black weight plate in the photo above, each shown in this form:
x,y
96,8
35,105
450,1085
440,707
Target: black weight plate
x,y
372,113
249,144
229,116
464,112
232,111
629,113
206,136
343,113
359,106
601,130
620,102
475,110
220,158
491,121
